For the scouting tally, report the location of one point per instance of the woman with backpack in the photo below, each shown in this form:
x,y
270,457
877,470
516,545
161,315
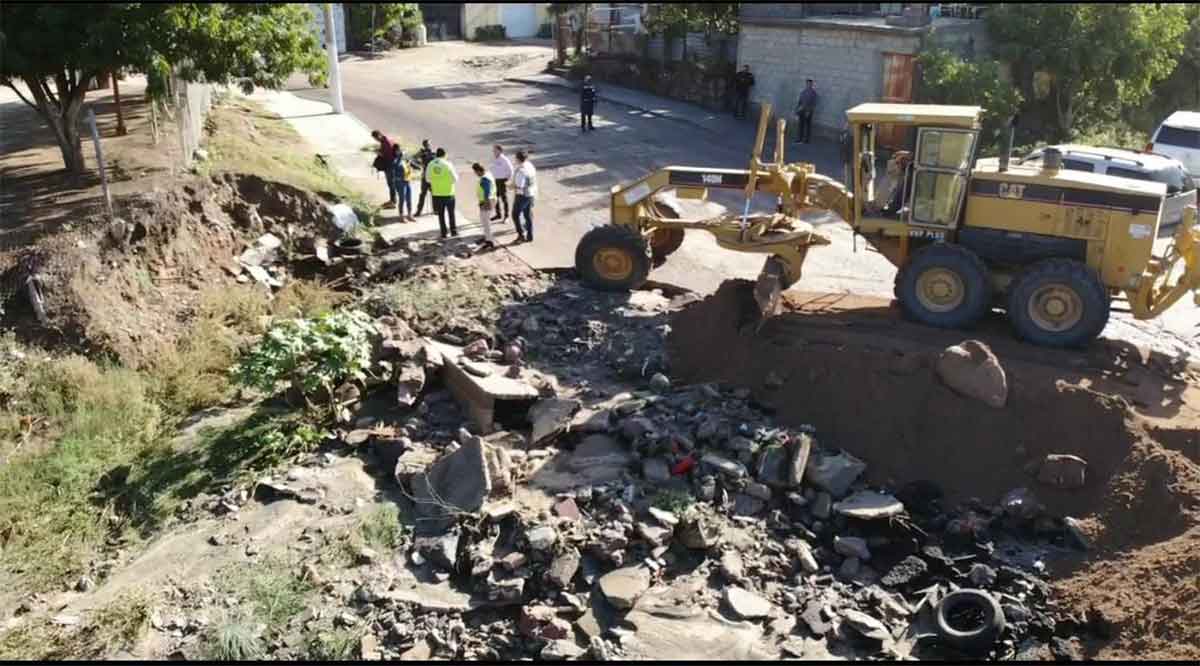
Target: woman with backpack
x,y
385,161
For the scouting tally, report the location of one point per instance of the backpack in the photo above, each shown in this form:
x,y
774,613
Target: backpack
x,y
380,164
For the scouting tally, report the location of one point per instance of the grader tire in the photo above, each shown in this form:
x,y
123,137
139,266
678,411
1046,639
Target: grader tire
x,y
944,285
663,242
613,258
1058,303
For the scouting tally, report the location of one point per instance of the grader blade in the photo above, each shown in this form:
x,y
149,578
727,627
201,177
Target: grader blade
x,y
768,290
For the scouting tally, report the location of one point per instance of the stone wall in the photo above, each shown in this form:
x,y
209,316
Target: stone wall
x,y
846,65
703,84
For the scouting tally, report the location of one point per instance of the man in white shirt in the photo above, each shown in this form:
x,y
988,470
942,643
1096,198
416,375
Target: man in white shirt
x,y
501,170
525,180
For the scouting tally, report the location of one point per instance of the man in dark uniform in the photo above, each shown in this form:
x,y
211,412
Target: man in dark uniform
x,y
743,81
806,106
587,104
424,156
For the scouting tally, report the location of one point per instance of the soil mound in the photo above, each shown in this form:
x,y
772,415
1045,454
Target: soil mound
x,y
870,387
122,288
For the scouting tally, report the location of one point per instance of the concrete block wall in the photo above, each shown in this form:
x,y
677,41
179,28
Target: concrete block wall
x,y
846,65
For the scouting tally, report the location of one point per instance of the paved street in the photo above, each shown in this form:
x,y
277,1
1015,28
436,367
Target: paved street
x,y
429,93
458,95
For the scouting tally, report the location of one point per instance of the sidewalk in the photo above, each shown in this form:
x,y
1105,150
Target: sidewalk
x,y
340,138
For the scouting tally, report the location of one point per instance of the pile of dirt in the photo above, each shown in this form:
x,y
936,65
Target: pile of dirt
x,y
873,389
124,288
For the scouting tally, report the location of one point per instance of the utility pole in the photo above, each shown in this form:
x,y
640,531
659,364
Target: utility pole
x,y
335,75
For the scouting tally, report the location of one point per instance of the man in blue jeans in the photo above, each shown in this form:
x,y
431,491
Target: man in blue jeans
x,y
525,183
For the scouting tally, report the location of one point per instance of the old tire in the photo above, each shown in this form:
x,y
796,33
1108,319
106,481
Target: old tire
x,y
946,286
1058,303
969,620
613,258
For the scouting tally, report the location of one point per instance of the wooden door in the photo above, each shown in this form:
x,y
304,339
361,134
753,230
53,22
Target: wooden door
x,y
897,89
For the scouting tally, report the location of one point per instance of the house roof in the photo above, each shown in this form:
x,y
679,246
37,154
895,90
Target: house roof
x,y
916,114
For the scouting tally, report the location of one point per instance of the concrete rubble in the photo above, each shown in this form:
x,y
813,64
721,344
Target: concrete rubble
x,y
632,518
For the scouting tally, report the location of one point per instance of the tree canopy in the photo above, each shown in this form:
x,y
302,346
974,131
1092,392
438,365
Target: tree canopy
x,y
60,47
1100,57
948,79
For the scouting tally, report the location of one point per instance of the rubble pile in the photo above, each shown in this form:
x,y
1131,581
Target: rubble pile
x,y
604,525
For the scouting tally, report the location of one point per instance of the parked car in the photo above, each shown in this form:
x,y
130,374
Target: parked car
x,y
1179,136
1181,190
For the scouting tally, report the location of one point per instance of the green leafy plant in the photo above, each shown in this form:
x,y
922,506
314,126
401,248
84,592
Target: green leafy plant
x,y
490,33
315,355
292,439
675,501
949,79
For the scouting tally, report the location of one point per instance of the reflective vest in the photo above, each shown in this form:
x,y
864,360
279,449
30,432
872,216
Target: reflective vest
x,y
441,180
491,190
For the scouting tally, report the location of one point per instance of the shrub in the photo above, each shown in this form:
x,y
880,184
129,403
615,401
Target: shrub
x,y
490,33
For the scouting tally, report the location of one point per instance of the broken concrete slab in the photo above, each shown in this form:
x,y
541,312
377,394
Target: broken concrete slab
x,y
478,394
622,587
971,369
800,454
564,567
852,547
684,632
456,483
410,381
390,234
869,505
746,604
834,473
550,418
723,464
866,625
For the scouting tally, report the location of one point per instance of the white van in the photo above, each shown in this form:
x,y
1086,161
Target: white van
x,y
1179,136
1181,192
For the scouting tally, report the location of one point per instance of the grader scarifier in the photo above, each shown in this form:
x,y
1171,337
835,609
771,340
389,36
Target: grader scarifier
x,y
1052,247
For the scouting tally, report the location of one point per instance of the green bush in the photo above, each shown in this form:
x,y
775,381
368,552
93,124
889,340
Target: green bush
x,y
490,33
315,355
949,79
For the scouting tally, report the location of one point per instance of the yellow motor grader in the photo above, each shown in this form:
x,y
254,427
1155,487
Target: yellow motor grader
x,y
1051,246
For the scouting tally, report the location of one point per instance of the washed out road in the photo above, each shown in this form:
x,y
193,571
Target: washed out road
x,y
457,95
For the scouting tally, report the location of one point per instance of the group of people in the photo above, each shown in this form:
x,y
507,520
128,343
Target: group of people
x,y
806,105
439,179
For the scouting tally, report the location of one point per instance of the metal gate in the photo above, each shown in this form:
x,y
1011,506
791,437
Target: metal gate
x,y
897,89
443,20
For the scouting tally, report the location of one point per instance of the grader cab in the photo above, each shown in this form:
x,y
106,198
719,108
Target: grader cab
x,y
1051,246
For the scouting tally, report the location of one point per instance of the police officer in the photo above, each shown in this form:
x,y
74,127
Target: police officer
x,y
441,176
587,104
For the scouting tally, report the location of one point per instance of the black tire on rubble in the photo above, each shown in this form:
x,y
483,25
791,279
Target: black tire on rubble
x,y
1058,303
613,258
944,285
969,620
663,242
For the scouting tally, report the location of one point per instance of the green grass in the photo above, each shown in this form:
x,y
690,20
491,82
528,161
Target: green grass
x,y
113,628
272,591
381,528
247,139
334,645
429,304
235,638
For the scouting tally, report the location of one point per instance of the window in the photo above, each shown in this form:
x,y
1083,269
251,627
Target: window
x,y
1078,165
936,198
1177,136
946,149
1120,172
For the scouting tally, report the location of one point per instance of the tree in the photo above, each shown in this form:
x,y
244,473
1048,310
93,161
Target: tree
x,y
1101,57
387,17
949,79
60,47
676,19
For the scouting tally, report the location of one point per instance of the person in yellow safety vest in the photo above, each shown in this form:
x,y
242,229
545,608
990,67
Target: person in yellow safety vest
x,y
485,192
441,176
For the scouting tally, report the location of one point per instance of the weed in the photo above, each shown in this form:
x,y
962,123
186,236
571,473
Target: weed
x,y
112,628
381,528
194,374
306,299
294,439
675,501
35,640
273,590
335,645
430,303
235,638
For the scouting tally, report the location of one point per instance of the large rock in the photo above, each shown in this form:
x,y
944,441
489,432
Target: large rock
x,y
747,605
410,380
563,569
456,483
971,369
772,467
852,547
550,417
865,625
1063,471
666,628
834,474
802,449
623,587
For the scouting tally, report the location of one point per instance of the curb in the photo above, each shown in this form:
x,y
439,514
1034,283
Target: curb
x,y
678,119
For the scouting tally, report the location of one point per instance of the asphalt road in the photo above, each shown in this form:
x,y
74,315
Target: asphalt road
x,y
455,95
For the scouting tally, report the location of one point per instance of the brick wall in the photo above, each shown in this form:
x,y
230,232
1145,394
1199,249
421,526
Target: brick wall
x,y
846,64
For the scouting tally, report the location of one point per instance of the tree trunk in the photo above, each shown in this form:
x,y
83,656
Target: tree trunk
x,y
121,131
560,39
62,114
66,132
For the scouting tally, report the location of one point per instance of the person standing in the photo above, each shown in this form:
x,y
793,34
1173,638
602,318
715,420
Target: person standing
x,y
805,108
743,81
502,170
587,104
441,177
385,161
403,188
525,182
424,157
485,193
